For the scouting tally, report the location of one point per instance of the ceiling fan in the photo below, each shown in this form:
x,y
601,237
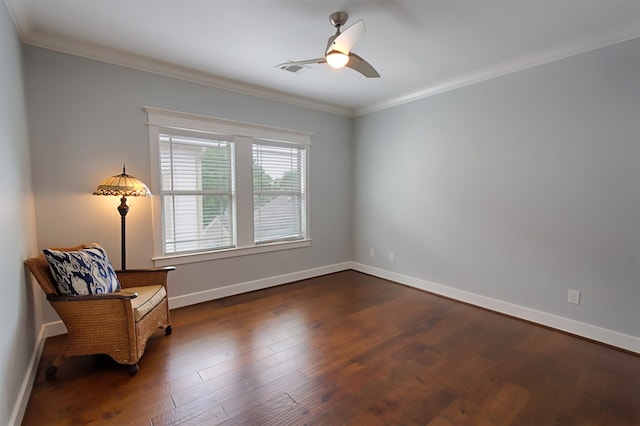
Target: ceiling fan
x,y
338,53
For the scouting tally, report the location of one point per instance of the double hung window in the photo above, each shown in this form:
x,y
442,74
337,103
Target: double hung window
x,y
197,191
226,188
278,192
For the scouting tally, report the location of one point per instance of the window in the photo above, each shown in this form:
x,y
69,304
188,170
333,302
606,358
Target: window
x,y
225,188
196,186
278,193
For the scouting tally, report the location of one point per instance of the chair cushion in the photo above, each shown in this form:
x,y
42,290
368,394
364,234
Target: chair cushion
x,y
149,296
82,272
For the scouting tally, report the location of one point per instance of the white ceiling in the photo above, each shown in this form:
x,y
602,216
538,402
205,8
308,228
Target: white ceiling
x,y
420,47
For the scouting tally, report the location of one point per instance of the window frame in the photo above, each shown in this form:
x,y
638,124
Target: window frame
x,y
244,135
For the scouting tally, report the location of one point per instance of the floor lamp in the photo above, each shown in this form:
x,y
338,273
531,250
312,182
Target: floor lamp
x,y
123,185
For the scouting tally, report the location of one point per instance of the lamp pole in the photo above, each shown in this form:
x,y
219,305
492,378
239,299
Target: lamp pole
x,y
123,208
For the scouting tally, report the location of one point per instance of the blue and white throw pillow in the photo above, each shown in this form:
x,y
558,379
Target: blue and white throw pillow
x,y
82,272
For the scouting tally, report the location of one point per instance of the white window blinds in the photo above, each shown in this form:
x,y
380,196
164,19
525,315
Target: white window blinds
x,y
226,188
278,192
197,190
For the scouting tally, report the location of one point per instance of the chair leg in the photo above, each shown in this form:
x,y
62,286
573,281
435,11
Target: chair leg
x,y
53,368
168,330
133,369
51,372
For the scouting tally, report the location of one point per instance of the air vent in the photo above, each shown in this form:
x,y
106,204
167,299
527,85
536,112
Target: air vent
x,y
293,68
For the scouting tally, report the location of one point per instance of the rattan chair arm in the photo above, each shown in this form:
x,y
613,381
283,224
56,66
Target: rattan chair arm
x,y
105,296
144,277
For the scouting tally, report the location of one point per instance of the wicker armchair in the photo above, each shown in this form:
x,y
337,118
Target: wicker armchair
x,y
115,324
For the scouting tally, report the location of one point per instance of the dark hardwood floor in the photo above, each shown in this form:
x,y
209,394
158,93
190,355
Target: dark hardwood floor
x,y
345,349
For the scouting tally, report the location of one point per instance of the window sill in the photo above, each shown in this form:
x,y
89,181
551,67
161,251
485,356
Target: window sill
x,y
223,254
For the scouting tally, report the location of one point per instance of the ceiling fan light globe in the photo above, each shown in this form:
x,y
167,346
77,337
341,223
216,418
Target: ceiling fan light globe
x,y
337,59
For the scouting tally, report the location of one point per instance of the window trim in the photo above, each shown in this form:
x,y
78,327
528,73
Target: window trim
x,y
198,125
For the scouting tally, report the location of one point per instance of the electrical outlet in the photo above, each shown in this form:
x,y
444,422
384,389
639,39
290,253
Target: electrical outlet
x,y
573,296
372,253
392,257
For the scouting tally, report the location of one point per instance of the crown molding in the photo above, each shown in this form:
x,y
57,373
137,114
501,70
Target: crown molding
x,y
141,63
20,17
555,53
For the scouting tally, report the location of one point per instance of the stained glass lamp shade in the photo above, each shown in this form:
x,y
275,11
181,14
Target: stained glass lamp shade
x,y
123,185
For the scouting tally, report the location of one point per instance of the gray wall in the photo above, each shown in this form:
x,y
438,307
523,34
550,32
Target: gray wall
x,y
517,188
19,318
86,120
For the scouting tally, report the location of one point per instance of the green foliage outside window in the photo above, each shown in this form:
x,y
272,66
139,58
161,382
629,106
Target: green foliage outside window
x,y
213,180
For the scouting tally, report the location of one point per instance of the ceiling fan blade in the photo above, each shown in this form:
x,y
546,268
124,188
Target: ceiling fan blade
x,y
363,67
305,62
345,40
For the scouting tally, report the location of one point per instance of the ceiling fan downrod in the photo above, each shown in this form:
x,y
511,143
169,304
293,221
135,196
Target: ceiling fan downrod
x,y
338,19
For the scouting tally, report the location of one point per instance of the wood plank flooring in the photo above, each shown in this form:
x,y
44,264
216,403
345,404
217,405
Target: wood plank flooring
x,y
345,349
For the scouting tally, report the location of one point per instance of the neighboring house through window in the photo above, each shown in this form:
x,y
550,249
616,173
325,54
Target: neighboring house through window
x,y
225,188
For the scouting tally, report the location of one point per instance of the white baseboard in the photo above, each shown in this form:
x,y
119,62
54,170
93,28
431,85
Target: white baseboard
x,y
592,332
57,327
29,378
54,329
603,335
578,328
231,290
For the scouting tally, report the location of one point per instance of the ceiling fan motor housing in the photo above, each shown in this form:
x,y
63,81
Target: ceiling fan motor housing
x,y
338,19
